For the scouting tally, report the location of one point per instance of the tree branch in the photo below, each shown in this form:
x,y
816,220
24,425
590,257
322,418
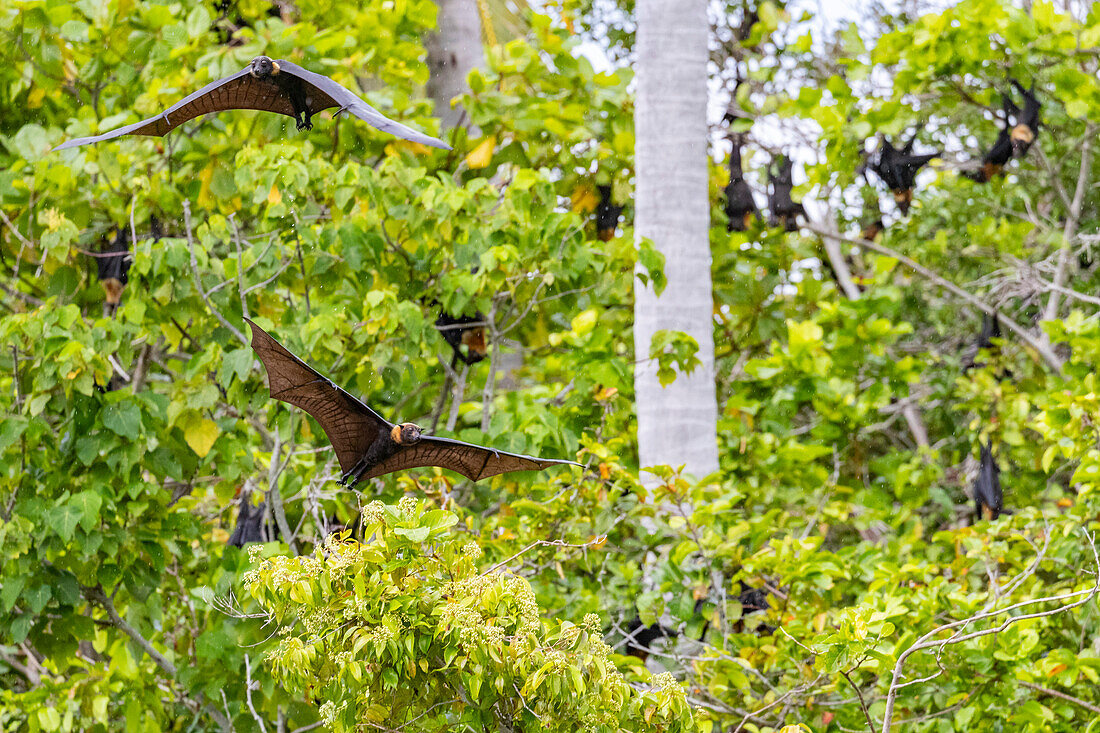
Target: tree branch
x,y
1042,349
195,276
1073,217
927,642
97,596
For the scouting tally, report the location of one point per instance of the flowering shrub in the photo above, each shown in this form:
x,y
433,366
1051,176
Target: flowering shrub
x,y
405,628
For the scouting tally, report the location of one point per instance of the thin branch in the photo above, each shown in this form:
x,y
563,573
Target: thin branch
x,y
1055,693
195,276
240,266
274,498
862,703
1073,217
18,235
544,543
1043,350
248,683
927,641
97,596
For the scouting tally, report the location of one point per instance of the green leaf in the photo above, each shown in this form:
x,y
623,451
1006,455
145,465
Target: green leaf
x,y
123,418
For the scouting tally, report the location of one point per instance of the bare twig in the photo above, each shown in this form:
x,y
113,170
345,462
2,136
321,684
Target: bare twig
x,y
1073,217
274,498
18,235
487,392
1043,350
240,265
928,641
1055,693
198,283
862,703
544,543
97,596
248,684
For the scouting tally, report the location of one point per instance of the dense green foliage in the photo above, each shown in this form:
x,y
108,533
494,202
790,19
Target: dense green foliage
x,y
121,607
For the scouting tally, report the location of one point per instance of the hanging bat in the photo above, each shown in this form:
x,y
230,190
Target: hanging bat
x,y
994,161
740,205
607,215
988,499
1025,125
465,335
784,211
250,522
271,86
113,265
872,230
366,444
898,169
640,638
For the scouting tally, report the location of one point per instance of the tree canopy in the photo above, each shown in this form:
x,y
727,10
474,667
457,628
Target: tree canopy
x,y
832,575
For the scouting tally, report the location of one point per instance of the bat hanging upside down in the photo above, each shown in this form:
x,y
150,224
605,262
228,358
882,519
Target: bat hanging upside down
x,y
268,85
367,445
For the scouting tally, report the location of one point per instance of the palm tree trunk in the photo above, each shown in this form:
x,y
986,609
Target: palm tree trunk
x,y
453,51
677,425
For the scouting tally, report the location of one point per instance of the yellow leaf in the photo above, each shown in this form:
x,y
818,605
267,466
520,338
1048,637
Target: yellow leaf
x,y
585,199
200,434
274,196
34,99
204,199
482,155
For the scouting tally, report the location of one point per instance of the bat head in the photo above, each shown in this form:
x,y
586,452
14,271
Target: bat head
x,y
406,433
1022,136
263,67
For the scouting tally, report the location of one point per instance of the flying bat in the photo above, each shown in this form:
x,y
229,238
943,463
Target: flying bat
x,y
784,210
740,205
269,85
366,444
898,168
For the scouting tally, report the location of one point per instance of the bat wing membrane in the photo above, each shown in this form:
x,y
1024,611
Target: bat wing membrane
x,y
237,91
475,462
350,425
340,96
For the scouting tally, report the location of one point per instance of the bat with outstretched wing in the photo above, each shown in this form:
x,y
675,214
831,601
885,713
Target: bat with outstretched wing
x,y
898,169
366,444
269,85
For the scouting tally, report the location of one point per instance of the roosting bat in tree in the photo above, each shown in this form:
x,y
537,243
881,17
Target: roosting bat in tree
x,y
607,215
366,444
740,205
640,638
1025,126
272,86
872,230
784,211
993,162
988,498
250,522
898,168
465,335
113,263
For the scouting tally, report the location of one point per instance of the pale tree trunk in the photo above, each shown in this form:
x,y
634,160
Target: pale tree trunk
x,y
453,50
676,424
